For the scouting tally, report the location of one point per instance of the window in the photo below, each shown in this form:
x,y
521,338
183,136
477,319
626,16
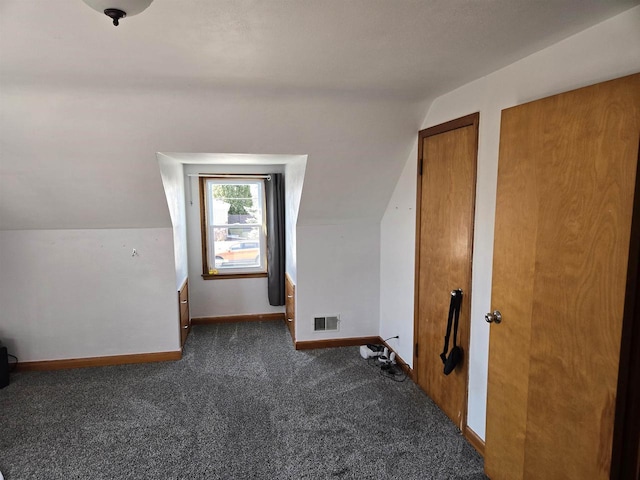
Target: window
x,y
233,227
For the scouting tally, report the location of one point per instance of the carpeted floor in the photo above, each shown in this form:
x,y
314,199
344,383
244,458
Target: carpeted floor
x,y
241,404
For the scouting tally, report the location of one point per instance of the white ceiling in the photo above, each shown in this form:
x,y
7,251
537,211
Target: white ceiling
x,y
407,48
85,106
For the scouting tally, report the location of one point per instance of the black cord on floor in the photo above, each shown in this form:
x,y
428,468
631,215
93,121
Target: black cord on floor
x,y
373,362
387,373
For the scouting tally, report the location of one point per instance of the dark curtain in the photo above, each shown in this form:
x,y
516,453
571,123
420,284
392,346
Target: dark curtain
x,y
275,238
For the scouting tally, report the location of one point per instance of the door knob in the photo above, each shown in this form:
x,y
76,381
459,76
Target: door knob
x,y
495,317
185,327
183,301
290,319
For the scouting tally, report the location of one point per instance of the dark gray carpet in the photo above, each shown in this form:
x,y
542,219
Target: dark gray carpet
x,y
242,403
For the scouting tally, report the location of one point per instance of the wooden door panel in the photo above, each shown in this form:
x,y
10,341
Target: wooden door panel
x,y
585,291
515,240
447,195
566,182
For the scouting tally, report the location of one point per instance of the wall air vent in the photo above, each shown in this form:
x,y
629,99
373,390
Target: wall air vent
x,y
321,324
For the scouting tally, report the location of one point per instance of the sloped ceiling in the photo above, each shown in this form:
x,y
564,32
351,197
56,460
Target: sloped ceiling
x,y
84,106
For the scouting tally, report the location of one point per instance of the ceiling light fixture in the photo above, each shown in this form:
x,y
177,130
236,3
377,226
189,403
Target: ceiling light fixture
x,y
118,9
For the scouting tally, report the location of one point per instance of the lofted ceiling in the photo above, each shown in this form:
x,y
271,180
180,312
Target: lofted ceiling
x,y
84,105
407,48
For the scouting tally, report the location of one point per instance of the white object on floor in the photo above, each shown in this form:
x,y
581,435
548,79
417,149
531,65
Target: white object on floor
x,y
365,352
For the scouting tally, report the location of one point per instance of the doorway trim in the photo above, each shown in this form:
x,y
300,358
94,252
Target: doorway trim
x,y
472,120
625,456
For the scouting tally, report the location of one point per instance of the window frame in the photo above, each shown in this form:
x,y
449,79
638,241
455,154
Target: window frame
x,y
205,226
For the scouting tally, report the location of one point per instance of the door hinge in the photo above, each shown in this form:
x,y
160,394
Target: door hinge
x,y
420,167
416,350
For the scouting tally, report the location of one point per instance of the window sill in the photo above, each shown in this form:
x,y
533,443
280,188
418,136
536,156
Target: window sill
x,y
226,276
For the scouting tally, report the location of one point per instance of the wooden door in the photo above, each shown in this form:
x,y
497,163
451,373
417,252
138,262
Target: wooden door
x,y
446,197
185,319
566,182
290,307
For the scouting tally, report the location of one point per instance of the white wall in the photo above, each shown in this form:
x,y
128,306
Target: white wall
x,y
397,246
73,175
293,182
608,50
338,274
212,298
173,181
80,293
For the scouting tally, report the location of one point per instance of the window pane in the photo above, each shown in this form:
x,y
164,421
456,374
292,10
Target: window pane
x,y
235,226
236,203
240,247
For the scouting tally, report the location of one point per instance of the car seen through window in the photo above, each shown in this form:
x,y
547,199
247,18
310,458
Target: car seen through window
x,y
239,253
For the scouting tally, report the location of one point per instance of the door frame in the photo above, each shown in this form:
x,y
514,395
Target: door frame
x,y
625,456
472,120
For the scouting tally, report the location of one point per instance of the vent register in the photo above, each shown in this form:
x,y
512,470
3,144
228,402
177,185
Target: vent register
x,y
322,324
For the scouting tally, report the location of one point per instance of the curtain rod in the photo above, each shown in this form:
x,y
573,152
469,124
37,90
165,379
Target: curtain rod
x,y
227,175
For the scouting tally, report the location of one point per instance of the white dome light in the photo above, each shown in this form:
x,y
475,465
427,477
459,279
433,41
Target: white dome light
x,y
118,9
